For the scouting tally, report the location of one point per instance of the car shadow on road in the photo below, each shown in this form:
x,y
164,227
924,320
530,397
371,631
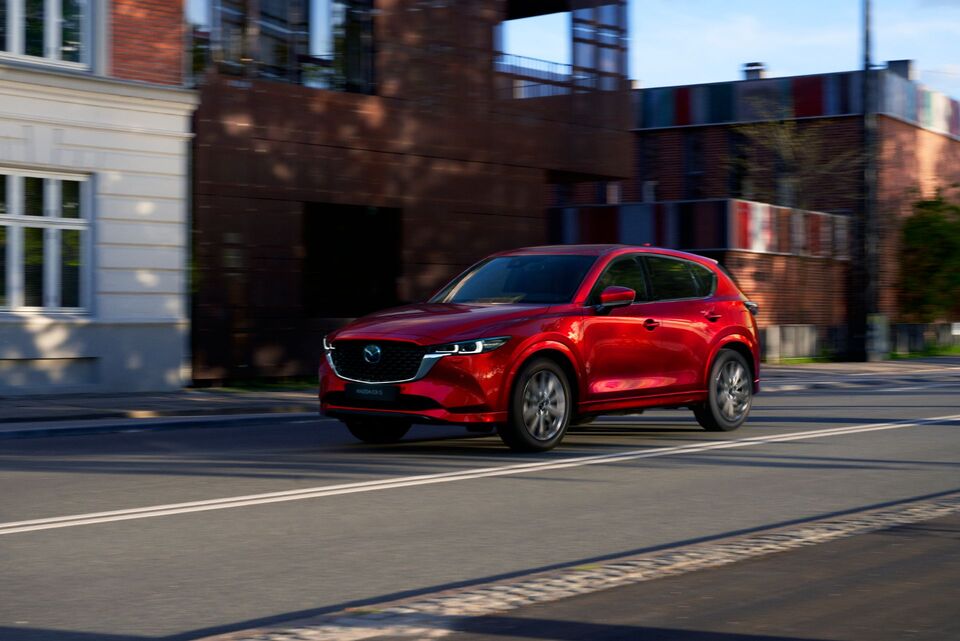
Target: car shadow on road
x,y
491,627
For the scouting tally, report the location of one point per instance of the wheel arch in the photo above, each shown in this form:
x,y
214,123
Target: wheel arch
x,y
739,345
556,352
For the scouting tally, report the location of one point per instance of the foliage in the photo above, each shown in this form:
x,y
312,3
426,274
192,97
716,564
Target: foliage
x,y
930,261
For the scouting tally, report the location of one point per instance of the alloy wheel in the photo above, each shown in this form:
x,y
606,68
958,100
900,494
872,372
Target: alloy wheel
x,y
544,407
733,393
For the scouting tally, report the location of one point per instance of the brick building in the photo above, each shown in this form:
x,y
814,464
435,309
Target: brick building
x,y
94,141
353,154
795,143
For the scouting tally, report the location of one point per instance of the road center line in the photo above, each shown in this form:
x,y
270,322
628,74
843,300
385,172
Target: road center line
x,y
445,477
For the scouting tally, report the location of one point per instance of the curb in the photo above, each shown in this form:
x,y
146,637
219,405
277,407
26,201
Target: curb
x,y
105,414
155,423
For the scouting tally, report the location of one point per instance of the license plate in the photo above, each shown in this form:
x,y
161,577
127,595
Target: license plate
x,y
372,392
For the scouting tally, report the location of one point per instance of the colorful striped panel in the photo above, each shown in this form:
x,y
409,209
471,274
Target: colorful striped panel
x,y
681,102
808,96
832,94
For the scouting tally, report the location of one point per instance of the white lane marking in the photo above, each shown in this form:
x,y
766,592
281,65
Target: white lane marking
x,y
444,477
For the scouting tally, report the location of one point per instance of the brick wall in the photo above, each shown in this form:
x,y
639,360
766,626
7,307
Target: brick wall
x,y
147,40
913,163
791,289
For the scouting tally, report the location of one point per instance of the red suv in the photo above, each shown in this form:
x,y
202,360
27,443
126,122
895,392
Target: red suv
x,y
531,341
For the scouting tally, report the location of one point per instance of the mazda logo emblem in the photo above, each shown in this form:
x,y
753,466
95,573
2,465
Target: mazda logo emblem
x,y
372,354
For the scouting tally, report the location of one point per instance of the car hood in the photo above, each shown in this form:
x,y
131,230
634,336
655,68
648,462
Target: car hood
x,y
427,323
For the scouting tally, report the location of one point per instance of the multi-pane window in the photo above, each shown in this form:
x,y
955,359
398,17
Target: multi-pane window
x,y
44,227
53,29
326,44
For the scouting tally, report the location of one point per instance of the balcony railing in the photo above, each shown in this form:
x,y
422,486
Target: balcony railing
x,y
521,77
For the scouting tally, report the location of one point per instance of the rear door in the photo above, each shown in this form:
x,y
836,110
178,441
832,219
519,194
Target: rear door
x,y
687,314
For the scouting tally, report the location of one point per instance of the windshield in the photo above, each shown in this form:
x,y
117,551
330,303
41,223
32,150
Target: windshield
x,y
543,279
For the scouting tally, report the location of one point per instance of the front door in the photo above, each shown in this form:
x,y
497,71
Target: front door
x,y
624,350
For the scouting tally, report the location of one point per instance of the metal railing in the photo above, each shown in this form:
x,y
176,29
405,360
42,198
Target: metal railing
x,y
520,77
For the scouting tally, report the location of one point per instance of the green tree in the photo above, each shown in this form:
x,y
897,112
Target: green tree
x,y
930,261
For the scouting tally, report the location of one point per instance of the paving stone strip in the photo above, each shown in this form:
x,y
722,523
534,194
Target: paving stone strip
x,y
437,615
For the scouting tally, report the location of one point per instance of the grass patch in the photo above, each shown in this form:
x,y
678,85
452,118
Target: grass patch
x,y
928,351
804,360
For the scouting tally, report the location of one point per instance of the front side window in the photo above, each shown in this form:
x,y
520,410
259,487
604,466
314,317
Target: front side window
x,y
536,279
56,30
622,272
674,278
44,226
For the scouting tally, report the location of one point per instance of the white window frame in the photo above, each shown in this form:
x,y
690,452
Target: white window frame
x,y
15,221
52,35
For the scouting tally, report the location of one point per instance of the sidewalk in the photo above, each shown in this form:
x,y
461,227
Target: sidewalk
x,y
787,378
24,414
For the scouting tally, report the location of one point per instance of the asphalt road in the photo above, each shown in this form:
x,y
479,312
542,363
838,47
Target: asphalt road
x,y
895,584
324,522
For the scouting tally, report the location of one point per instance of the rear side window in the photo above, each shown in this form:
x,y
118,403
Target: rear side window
x,y
623,272
673,278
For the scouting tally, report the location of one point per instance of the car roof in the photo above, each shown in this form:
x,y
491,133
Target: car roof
x,y
602,250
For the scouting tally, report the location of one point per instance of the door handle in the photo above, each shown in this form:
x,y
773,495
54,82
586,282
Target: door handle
x,y
651,324
711,315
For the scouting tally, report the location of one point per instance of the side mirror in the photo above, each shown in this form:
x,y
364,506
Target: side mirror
x,y
616,296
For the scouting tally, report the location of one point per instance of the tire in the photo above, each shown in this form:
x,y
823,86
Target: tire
x,y
541,406
378,431
730,394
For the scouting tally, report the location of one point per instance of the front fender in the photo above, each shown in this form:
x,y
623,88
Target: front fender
x,y
558,344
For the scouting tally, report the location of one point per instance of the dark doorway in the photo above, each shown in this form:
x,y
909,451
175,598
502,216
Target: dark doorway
x,y
351,259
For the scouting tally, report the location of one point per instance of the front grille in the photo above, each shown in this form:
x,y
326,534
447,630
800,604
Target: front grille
x,y
398,361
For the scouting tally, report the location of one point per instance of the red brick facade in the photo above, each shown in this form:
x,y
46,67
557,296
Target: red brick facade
x,y
913,163
147,40
660,156
792,289
454,171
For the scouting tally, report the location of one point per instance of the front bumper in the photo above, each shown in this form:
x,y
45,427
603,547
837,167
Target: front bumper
x,y
457,389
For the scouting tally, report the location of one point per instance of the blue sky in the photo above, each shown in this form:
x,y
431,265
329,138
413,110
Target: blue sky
x,y
675,42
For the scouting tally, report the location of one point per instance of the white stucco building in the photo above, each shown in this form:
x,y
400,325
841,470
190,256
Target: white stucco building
x,y
94,190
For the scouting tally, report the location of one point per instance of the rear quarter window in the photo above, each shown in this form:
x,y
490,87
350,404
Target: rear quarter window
x,y
705,278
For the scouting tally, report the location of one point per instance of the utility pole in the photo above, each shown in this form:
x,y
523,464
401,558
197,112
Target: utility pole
x,y
868,331
876,323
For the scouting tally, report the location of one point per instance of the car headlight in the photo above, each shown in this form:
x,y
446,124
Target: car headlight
x,y
476,346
